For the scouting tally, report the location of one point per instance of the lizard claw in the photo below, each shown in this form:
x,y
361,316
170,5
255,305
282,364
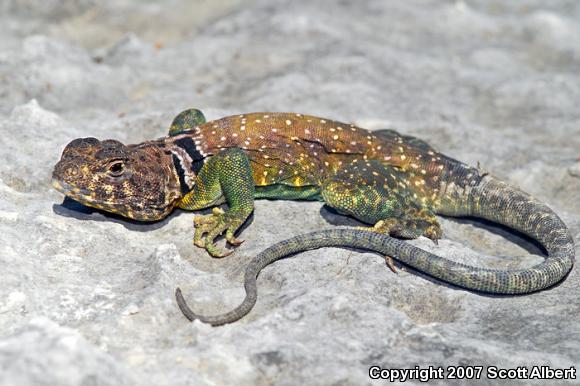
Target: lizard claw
x,y
232,240
217,252
236,242
390,264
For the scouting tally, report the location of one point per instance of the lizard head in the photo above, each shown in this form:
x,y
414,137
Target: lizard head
x,y
108,175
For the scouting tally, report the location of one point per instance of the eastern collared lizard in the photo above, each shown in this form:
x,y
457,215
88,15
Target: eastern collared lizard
x,y
393,182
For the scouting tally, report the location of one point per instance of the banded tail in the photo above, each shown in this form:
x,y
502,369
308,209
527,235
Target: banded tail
x,y
498,202
466,191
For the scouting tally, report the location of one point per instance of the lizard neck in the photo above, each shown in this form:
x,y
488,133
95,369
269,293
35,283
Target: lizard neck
x,y
185,159
179,161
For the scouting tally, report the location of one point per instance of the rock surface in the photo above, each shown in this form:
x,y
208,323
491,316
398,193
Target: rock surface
x,y
87,298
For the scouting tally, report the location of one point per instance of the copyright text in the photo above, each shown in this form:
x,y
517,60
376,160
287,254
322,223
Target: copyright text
x,y
424,374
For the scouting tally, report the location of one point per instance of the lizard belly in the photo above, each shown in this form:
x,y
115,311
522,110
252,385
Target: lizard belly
x,y
285,192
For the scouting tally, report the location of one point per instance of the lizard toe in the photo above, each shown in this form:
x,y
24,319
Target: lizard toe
x,y
214,251
231,239
433,232
198,237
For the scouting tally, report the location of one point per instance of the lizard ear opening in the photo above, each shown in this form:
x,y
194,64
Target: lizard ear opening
x,y
186,120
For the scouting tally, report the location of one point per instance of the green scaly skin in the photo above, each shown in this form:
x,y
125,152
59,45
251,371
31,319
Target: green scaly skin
x,y
394,182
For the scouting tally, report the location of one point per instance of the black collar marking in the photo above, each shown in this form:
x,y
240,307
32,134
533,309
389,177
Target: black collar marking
x,y
181,173
197,158
188,145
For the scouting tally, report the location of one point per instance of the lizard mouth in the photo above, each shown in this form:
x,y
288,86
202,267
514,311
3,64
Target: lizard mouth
x,y
68,189
81,195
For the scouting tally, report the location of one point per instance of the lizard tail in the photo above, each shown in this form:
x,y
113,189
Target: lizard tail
x,y
489,198
494,200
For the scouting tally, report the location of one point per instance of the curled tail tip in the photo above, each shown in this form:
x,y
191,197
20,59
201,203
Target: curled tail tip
x,y
188,312
182,304
214,321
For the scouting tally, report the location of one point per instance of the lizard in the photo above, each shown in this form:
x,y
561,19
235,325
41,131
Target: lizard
x,y
395,183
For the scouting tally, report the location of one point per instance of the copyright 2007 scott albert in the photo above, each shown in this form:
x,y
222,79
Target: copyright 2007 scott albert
x,y
424,374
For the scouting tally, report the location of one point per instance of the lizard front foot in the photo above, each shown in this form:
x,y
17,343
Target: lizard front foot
x,y
209,227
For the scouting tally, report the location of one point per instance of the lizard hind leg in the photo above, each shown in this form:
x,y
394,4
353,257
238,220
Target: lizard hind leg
x,y
376,194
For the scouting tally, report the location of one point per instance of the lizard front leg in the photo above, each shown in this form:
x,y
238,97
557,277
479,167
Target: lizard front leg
x,y
227,177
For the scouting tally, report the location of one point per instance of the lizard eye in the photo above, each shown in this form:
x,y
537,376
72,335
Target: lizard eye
x,y
117,168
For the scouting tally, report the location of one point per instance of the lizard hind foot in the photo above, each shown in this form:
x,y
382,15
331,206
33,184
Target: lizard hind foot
x,y
410,226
